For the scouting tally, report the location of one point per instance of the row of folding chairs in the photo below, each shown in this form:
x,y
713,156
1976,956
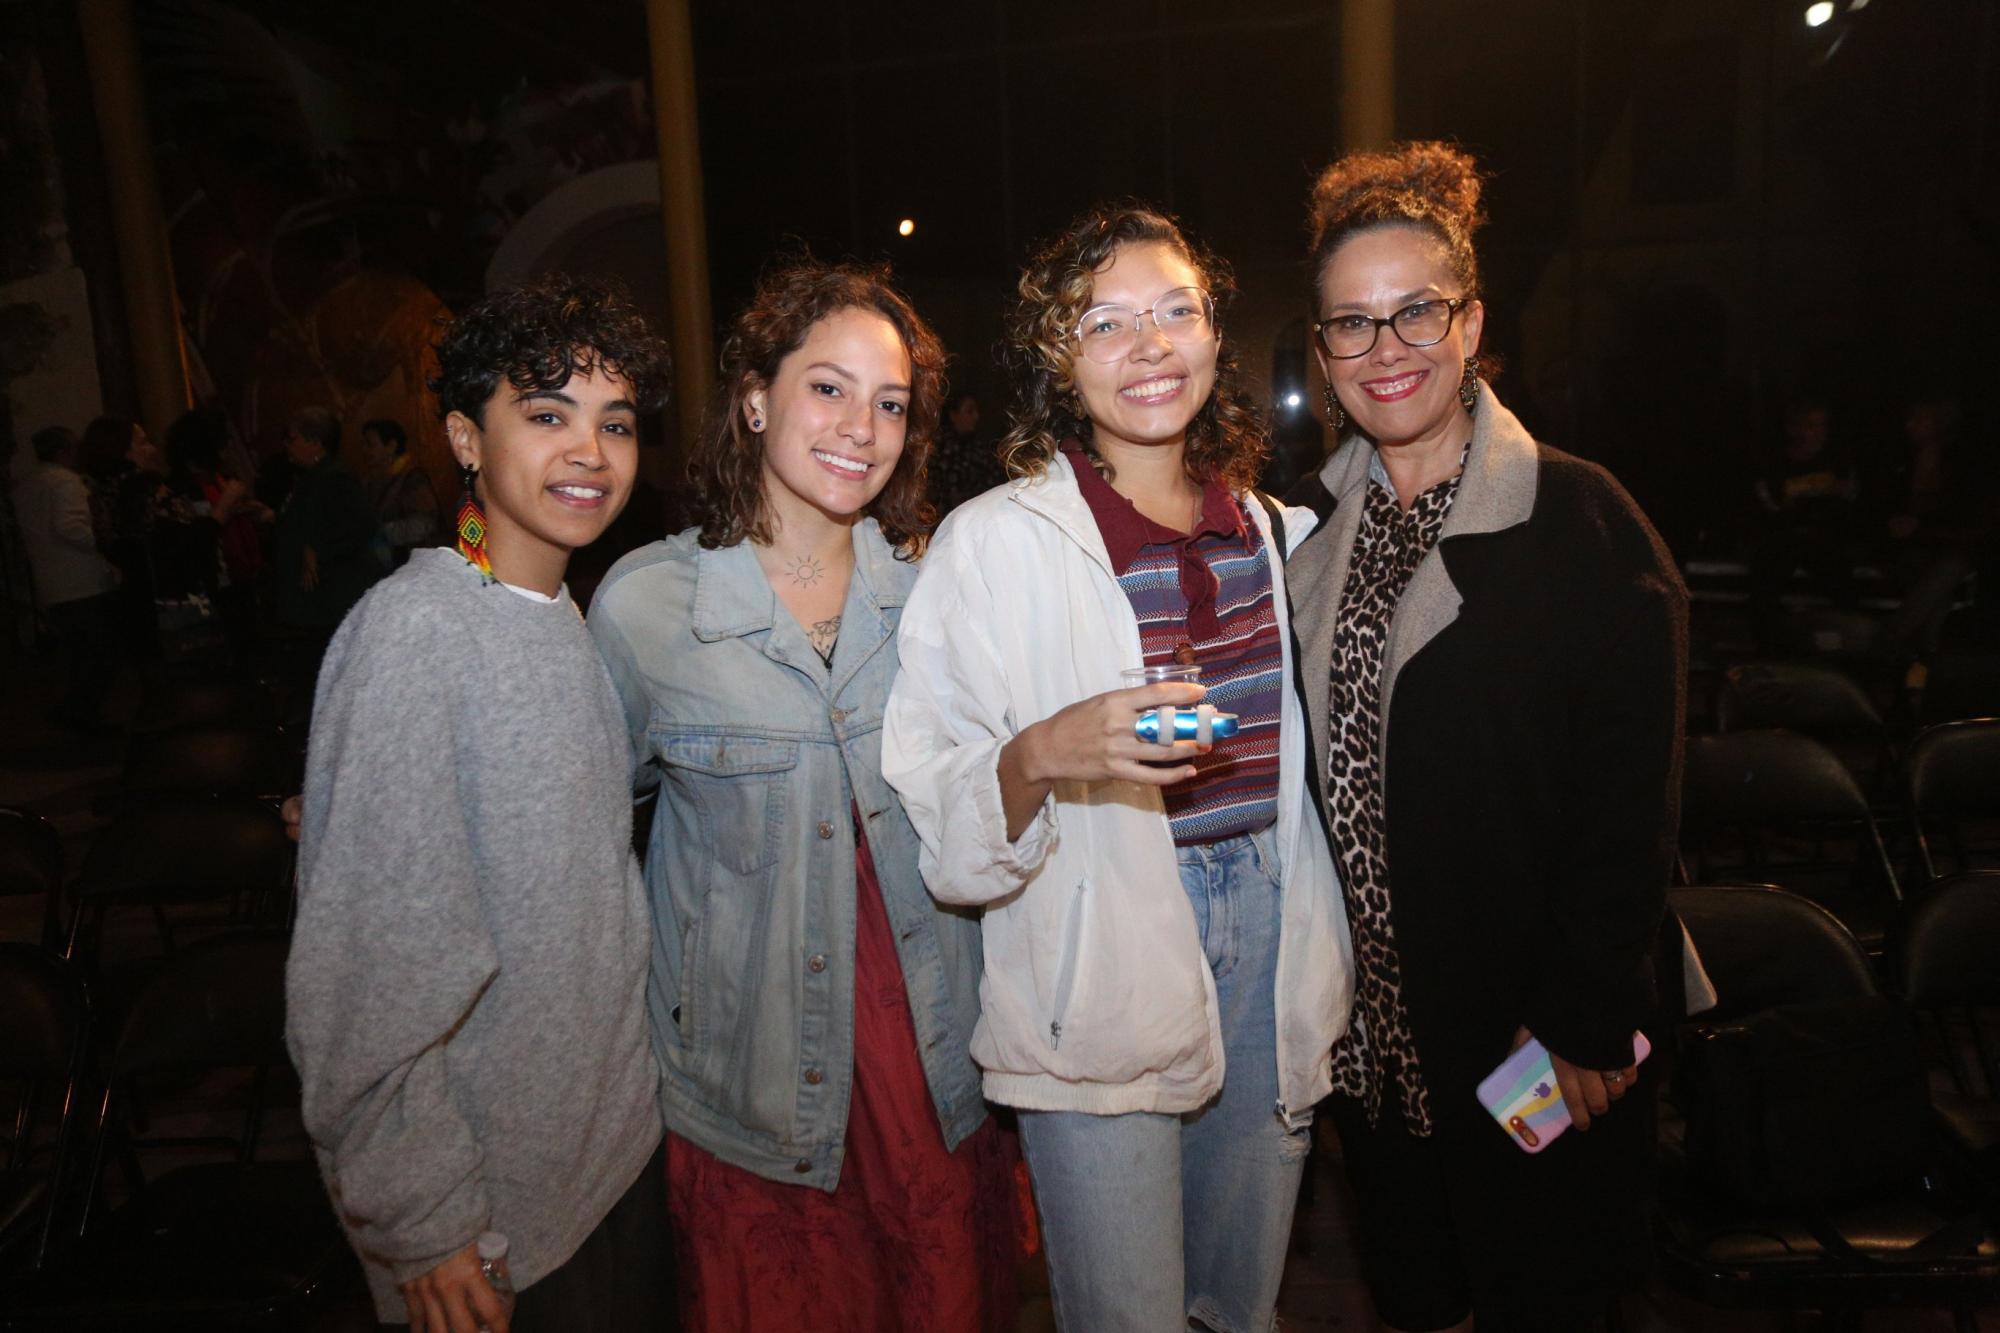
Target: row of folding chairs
x,y
1821,700
211,735
1930,1241
234,1240
229,853
1779,806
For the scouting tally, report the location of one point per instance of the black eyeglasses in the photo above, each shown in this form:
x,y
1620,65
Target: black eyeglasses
x,y
1418,324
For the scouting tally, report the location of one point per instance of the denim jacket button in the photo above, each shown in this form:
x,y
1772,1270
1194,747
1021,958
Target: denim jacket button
x,y
825,829
813,1076
839,715
803,1165
816,963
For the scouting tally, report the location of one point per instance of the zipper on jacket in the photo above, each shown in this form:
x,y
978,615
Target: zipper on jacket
x,y
1066,973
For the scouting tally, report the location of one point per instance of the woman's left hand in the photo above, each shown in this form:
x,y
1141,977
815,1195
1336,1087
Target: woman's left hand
x,y
1587,1092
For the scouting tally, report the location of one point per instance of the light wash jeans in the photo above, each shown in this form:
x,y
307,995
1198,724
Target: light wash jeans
x,y
1152,1221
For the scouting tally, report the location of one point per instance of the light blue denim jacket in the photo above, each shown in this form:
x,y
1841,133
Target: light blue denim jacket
x,y
756,749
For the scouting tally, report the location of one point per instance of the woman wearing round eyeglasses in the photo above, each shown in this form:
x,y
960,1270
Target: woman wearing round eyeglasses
x,y
1493,642
1166,964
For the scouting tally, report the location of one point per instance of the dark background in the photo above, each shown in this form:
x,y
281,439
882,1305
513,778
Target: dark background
x,y
1698,209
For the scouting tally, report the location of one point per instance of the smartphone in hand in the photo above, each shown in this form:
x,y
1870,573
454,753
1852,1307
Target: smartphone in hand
x,y
1523,1097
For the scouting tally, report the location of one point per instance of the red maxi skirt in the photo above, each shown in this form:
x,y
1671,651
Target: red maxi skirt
x,y
913,1240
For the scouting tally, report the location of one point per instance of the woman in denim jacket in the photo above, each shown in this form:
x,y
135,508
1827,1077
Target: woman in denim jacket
x,y
830,1164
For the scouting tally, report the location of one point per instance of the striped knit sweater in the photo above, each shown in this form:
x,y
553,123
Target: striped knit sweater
x,y
1206,597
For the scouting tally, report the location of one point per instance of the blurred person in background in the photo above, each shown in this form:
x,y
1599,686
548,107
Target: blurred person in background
x,y
405,503
74,584
327,548
1806,506
126,471
196,475
1939,508
17,579
962,465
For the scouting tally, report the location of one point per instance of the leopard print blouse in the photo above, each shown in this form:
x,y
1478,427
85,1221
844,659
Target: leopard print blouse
x,y
1377,1049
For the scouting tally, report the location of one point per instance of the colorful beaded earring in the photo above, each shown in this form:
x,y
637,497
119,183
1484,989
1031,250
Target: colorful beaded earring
x,y
472,525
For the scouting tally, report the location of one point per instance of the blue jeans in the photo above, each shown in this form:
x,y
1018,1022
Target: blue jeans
x,y
1154,1220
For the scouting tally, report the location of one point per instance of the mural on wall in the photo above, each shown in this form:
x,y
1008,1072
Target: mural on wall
x,y
327,206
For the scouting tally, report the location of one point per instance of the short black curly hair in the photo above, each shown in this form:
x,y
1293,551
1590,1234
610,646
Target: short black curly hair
x,y
538,335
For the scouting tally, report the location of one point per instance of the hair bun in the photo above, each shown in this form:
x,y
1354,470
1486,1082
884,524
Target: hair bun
x,y
1423,177
1423,183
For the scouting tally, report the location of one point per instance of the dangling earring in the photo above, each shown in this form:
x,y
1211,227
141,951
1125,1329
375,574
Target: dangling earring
x,y
472,525
1468,386
1336,415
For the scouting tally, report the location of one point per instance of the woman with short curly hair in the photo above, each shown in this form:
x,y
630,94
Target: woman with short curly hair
x,y
830,1161
1166,964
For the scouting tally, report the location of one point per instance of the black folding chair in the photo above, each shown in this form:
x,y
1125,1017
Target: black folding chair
x,y
1813,700
207,699
1829,634
1764,947
44,1024
31,862
234,1243
1960,684
1949,964
203,761
1953,778
1775,807
179,851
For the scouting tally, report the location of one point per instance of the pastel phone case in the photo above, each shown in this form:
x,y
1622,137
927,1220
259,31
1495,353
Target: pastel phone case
x,y
1200,723
1522,1094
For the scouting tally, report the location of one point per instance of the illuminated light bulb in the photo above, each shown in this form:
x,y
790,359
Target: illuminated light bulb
x,y
1819,13
909,225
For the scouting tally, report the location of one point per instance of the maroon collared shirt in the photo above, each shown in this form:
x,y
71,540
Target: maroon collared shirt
x,y
1127,533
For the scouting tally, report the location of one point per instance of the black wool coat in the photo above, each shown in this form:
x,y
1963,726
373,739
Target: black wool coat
x,y
1533,704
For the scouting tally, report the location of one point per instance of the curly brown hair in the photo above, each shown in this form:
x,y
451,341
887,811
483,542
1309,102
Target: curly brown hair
x,y
727,466
537,335
1226,438
1427,185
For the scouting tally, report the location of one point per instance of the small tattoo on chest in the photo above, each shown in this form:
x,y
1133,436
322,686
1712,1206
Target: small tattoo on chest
x,y
824,634
806,571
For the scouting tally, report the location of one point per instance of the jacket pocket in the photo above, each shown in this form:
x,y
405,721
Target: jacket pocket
x,y
1066,970
736,784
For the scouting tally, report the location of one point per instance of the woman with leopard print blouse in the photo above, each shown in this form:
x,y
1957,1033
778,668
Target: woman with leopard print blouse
x,y
1505,875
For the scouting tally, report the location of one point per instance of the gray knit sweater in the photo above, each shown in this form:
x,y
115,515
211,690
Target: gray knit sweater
x,y
467,981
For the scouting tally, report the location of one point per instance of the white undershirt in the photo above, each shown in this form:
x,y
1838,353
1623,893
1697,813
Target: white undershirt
x,y
530,593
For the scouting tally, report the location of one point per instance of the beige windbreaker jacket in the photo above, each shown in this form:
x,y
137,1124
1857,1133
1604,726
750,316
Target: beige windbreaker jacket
x,y
1096,995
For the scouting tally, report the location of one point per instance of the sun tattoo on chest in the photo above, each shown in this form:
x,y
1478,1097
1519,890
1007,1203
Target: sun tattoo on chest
x,y
823,635
806,571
